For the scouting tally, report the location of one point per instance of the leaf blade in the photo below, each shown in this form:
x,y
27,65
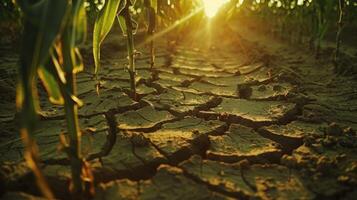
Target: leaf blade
x,y
102,26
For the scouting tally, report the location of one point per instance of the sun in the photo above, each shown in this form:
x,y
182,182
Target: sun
x,y
211,7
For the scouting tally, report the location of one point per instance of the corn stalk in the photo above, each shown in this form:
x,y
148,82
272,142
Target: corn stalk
x,y
69,59
126,23
341,7
151,7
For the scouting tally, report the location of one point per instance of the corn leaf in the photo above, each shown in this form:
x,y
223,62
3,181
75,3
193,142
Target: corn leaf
x,y
51,85
48,16
102,26
124,28
43,23
80,23
121,20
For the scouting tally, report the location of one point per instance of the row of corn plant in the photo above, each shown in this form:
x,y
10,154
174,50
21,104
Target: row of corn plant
x,y
53,30
298,19
167,11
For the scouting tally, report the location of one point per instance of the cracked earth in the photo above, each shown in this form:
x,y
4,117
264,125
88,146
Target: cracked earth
x,y
241,122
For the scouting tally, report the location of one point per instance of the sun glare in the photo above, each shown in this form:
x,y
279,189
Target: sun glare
x,y
212,6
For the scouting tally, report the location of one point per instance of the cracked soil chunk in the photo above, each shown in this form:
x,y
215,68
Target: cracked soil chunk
x,y
277,182
142,119
206,88
168,183
291,135
177,101
47,139
200,73
107,100
269,181
241,142
250,68
184,137
128,160
271,91
256,112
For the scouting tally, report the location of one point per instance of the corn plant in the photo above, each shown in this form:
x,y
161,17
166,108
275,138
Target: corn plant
x,y
52,32
126,24
151,7
116,9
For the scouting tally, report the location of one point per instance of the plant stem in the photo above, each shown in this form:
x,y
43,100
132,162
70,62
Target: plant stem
x,y
152,52
130,48
74,148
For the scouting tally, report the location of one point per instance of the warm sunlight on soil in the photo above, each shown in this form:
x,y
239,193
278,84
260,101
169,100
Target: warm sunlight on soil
x,y
212,6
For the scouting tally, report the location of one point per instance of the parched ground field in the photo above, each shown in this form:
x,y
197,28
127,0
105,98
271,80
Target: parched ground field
x,y
235,119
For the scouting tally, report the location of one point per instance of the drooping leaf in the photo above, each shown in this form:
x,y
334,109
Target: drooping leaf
x,y
51,85
102,26
78,61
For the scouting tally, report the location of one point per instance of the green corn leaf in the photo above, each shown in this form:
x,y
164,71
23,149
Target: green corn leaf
x,y
78,35
78,61
51,85
121,20
124,28
80,24
48,16
43,23
102,26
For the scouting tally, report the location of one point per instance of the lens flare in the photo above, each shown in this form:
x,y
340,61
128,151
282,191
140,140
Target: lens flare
x,y
212,6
